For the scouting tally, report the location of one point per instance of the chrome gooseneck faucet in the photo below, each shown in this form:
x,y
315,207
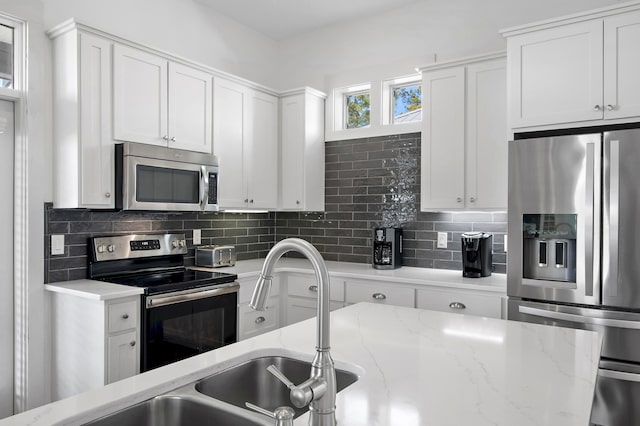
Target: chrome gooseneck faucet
x,y
319,391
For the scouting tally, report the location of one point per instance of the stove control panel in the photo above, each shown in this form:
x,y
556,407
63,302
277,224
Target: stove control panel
x,y
119,247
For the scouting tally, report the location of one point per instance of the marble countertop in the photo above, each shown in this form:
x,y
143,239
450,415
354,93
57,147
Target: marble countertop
x,y
416,367
95,290
407,274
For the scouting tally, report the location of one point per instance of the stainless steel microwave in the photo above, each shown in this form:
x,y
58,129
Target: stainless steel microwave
x,y
151,177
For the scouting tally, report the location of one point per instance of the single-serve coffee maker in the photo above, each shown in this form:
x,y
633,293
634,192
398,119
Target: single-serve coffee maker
x,y
387,248
477,254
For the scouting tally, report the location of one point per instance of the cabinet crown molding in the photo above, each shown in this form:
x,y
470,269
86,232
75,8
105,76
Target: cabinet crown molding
x,y
463,61
306,90
73,24
570,19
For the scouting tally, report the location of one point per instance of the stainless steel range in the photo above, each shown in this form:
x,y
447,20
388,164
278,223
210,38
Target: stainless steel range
x,y
574,257
184,312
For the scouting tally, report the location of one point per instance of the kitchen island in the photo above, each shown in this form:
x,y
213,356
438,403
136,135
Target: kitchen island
x,y
416,367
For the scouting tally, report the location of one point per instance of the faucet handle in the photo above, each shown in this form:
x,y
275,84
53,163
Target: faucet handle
x,y
282,415
280,376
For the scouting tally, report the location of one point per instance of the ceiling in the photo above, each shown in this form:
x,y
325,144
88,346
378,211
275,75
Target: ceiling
x,y
281,19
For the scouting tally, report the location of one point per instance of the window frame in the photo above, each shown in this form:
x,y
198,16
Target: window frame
x,y
388,87
340,105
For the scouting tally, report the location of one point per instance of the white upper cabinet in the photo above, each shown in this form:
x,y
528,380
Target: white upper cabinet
x,y
83,152
576,71
464,136
246,142
302,150
159,102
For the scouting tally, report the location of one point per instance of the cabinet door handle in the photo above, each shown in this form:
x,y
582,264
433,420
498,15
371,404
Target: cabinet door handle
x,y
313,288
610,107
260,320
125,316
132,343
165,137
459,199
108,195
250,201
173,139
597,108
457,305
379,296
297,201
472,199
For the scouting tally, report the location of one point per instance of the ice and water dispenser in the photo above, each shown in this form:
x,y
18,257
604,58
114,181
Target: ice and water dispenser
x,y
549,247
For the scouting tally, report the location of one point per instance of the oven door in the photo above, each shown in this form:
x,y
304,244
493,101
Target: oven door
x,y
178,325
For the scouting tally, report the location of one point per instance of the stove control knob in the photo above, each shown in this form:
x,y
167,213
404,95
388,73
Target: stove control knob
x,y
101,248
174,244
183,243
111,248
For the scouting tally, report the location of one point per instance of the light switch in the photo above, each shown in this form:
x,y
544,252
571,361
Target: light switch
x,y
442,240
197,237
57,244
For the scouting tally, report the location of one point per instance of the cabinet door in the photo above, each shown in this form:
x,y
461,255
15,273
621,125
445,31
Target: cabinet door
x,y
96,145
622,66
387,294
190,103
442,160
253,323
486,141
140,96
301,308
461,302
123,356
261,156
229,109
292,144
556,75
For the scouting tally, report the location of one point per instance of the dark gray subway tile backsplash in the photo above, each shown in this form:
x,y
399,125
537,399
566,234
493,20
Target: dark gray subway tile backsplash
x,y
368,183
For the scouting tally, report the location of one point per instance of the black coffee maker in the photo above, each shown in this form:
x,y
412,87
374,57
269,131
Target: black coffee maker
x,y
477,254
387,248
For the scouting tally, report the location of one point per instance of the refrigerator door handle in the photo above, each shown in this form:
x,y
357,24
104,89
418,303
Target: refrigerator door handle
x,y
610,229
581,319
591,220
619,375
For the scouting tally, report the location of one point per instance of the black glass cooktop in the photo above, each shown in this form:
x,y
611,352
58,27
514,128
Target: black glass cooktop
x,y
162,282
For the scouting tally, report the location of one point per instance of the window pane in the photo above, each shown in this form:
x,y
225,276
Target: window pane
x,y
407,103
6,56
358,110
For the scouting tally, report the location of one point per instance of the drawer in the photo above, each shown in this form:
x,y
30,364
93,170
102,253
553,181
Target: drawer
x,y
306,286
248,284
253,323
123,316
460,302
388,294
302,308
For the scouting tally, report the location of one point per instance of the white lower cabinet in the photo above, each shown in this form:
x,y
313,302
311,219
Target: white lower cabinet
x,y
252,323
94,342
379,292
460,301
302,296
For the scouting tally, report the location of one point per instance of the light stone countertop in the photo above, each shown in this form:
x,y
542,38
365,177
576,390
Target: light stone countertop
x,y
416,367
93,289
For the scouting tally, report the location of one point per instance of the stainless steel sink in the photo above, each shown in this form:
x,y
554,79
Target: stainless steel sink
x,y
174,410
250,382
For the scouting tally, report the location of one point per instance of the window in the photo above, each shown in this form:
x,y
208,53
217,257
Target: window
x,y
6,56
402,100
407,103
357,110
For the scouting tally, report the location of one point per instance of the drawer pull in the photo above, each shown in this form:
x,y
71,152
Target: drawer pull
x,y
125,316
457,305
313,288
132,343
260,320
378,296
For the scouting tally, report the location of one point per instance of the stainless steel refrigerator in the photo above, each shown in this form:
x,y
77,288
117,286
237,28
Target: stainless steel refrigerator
x,y
574,251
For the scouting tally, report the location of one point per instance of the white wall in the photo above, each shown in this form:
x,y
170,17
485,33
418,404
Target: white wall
x,y
409,36
181,27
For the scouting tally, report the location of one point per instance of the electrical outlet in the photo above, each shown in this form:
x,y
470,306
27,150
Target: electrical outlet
x,y
197,237
442,240
57,244
505,243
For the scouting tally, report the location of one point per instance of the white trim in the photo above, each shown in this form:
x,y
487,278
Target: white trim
x,y
463,61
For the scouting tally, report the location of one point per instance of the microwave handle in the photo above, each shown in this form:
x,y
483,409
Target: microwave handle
x,y
204,188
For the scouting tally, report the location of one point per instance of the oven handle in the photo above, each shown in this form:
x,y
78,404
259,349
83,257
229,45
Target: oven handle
x,y
619,375
195,294
579,318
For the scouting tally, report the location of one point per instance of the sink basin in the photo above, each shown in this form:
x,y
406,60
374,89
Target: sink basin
x,y
168,410
251,382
